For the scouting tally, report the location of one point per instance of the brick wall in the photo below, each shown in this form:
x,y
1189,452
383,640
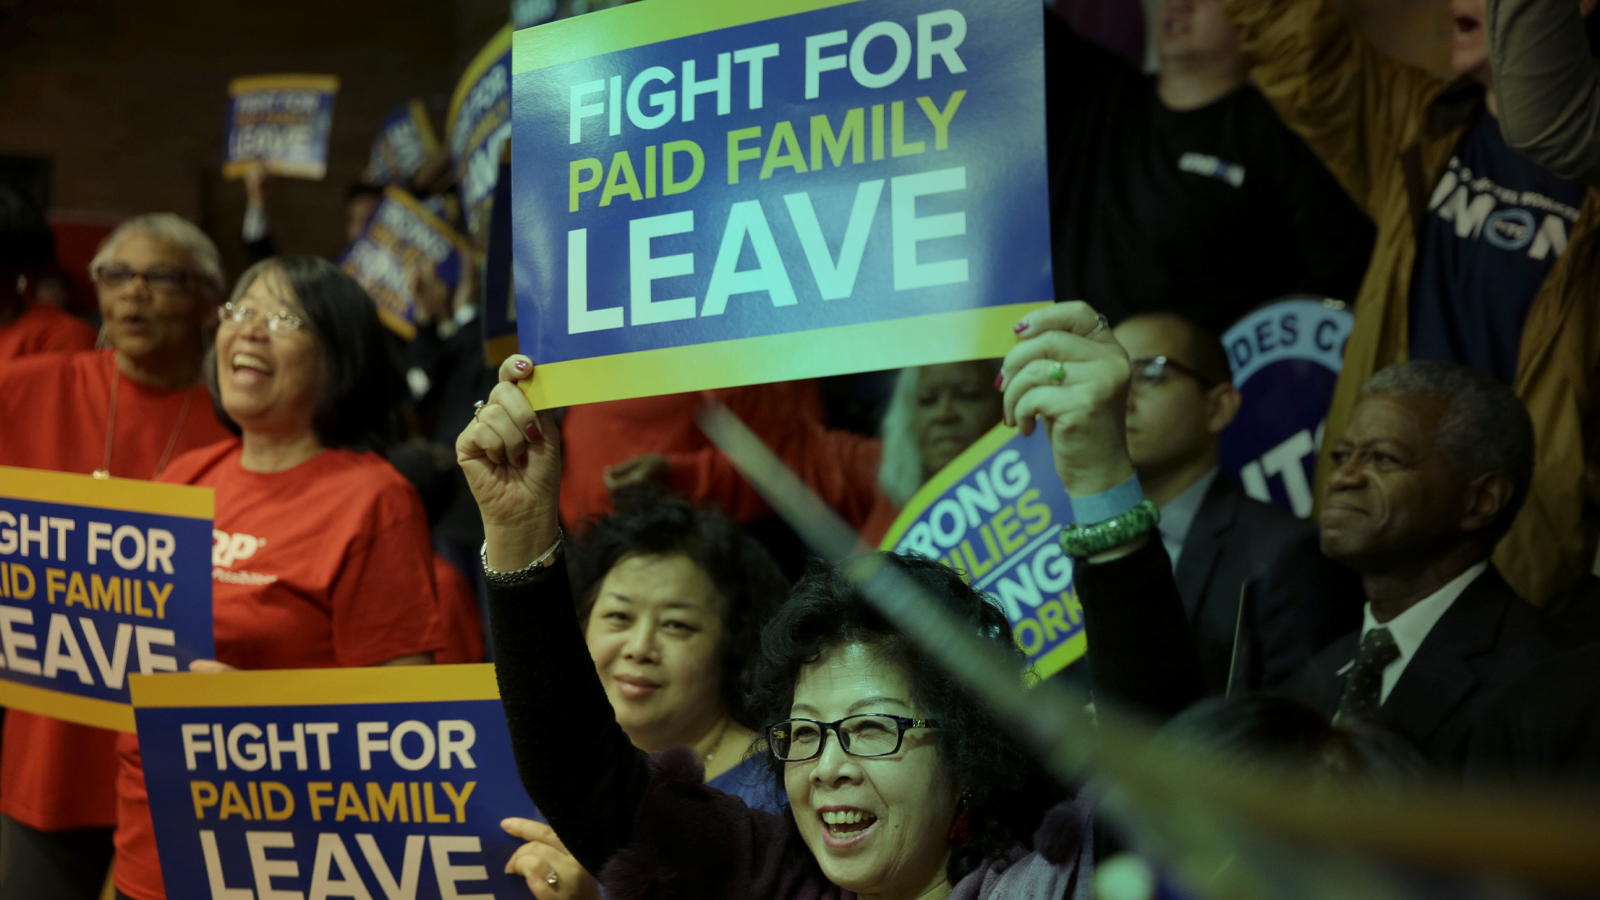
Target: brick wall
x,y
128,99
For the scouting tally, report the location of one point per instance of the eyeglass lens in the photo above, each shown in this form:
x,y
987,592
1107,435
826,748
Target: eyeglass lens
x,y
800,739
280,322
159,278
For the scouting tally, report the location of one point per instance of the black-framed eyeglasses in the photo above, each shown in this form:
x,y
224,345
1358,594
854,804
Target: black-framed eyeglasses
x,y
280,322
1150,370
797,740
168,279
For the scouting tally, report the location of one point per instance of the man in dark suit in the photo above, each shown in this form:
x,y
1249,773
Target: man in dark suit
x,y
1428,476
1180,399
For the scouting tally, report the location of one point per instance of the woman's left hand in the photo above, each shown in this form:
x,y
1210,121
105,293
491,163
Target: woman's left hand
x,y
1068,370
210,666
543,854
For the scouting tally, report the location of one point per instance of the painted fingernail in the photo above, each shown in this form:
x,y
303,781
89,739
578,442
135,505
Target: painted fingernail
x,y
1020,327
999,379
532,432
520,365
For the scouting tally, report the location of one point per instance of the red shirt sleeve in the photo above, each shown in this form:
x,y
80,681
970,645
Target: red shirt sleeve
x,y
385,604
841,466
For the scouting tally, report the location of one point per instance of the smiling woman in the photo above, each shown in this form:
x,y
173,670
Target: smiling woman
x,y
671,599
334,566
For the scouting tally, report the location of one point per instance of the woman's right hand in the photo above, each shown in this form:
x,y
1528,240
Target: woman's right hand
x,y
512,459
544,854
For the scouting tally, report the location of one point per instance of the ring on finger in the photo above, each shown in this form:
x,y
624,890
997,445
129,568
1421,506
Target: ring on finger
x,y
553,879
1058,375
1101,324
477,408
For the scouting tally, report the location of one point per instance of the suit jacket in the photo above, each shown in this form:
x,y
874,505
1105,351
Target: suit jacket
x,y
1302,600
1487,637
1546,726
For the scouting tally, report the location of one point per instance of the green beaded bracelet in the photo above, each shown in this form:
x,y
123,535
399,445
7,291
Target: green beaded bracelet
x,y
1080,541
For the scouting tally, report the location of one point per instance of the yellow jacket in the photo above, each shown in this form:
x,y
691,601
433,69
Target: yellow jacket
x,y
1386,130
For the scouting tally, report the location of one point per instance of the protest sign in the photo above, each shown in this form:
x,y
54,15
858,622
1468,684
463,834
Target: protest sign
x,y
405,141
499,311
996,514
709,194
1285,357
377,782
284,121
478,125
98,579
400,238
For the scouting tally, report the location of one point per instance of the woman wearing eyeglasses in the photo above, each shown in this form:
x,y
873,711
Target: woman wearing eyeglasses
x,y
125,412
901,784
322,556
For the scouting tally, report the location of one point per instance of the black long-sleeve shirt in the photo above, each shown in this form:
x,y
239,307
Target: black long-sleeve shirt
x,y
579,767
1208,212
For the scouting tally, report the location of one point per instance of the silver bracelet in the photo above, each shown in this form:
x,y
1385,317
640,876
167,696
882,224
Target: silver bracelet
x,y
527,572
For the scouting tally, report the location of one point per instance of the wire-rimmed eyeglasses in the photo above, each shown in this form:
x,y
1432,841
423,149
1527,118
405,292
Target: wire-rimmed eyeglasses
x,y
797,740
280,322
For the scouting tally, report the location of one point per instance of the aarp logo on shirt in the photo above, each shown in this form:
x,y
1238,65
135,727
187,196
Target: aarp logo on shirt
x,y
227,549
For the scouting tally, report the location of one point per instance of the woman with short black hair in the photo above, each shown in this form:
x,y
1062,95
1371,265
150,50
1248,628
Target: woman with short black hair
x,y
671,598
1003,795
322,557
358,402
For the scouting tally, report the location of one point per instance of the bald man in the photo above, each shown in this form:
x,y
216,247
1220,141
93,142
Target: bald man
x,y
1179,401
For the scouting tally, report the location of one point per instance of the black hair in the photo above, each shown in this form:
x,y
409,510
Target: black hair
x,y
1006,793
749,584
26,241
1269,733
362,391
1206,353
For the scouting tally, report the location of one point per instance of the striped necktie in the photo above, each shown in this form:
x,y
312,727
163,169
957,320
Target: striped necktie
x,y
1365,685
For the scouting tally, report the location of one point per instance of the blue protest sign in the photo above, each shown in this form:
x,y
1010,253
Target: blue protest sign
x,y
710,192
382,782
996,514
478,126
99,579
405,141
282,120
499,310
1285,357
401,237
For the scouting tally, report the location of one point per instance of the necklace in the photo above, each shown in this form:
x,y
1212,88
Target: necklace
x,y
718,743
104,471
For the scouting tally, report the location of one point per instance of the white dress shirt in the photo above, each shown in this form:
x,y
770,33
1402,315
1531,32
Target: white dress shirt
x,y
1410,628
1179,513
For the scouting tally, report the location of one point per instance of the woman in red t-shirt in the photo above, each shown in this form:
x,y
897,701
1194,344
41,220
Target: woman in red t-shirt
x,y
123,413
321,554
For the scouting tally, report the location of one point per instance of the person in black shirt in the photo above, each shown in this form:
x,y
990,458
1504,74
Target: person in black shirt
x,y
1184,191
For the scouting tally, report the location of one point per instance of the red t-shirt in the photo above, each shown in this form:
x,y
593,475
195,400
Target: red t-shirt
x,y
326,564
44,329
463,622
55,775
600,435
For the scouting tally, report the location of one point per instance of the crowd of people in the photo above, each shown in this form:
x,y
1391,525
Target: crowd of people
x,y
754,726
